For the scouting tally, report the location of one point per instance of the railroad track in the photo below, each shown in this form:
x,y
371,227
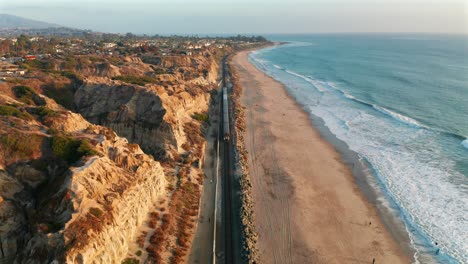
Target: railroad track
x,y
229,255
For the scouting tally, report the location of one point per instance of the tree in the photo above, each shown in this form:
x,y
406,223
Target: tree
x,y
34,48
5,46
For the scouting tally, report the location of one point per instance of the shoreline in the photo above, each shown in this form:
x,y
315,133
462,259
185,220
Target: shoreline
x,y
303,225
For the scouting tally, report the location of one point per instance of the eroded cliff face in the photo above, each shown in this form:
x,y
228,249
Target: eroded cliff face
x,y
56,209
152,116
120,197
74,191
133,111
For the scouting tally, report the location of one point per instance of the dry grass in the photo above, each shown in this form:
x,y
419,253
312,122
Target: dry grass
x,y
195,138
157,239
81,230
19,146
141,239
177,223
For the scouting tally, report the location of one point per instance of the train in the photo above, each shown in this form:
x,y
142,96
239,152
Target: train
x,y
226,130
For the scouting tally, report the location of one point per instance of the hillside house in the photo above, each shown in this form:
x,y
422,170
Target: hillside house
x,y
29,57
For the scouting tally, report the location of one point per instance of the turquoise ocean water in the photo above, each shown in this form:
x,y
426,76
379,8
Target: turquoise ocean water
x,y
401,103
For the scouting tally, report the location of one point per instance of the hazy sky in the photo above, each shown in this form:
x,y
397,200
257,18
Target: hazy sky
x,y
248,16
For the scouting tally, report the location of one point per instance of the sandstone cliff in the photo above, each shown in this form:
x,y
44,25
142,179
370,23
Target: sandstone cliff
x,y
152,116
83,209
74,191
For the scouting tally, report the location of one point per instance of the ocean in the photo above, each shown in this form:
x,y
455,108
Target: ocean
x,y
400,102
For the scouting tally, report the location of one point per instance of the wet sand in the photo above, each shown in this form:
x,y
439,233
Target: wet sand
x,y
308,208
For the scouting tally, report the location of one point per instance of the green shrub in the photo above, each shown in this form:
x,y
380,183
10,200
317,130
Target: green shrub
x,y
13,111
62,94
23,90
44,112
13,80
159,71
95,59
203,117
115,61
52,131
20,145
69,63
138,80
38,64
75,78
70,149
95,211
27,95
65,148
130,261
85,149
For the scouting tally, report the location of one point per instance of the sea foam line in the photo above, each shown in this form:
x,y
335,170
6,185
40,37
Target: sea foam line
x,y
278,67
321,88
399,117
416,215
317,84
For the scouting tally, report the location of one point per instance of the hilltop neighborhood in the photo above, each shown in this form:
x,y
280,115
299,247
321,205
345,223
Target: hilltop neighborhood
x,y
17,51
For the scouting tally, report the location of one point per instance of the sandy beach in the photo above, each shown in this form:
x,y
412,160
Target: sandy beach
x,y
308,208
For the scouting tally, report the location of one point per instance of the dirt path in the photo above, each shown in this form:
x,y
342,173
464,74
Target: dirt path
x,y
308,208
202,245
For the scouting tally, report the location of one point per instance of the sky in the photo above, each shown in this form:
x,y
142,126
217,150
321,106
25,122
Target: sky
x,y
247,16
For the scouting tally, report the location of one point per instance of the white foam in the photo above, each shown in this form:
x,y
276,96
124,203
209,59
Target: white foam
x,y
278,67
465,143
317,84
347,95
410,164
416,181
297,44
260,63
404,119
333,85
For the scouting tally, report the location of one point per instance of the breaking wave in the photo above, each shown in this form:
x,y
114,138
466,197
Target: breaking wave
x,y
465,143
407,158
399,117
322,87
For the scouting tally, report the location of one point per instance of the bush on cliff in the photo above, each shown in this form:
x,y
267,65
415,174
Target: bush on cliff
x,y
62,94
69,149
27,95
85,149
19,146
202,117
131,261
75,78
24,94
44,112
7,110
138,80
46,65
95,211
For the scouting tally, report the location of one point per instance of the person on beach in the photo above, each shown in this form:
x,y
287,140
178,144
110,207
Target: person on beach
x,y
373,261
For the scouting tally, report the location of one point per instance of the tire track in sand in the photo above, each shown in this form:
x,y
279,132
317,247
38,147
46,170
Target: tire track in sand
x,y
270,183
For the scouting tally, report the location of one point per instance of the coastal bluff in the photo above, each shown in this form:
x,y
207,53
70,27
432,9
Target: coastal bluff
x,y
95,164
